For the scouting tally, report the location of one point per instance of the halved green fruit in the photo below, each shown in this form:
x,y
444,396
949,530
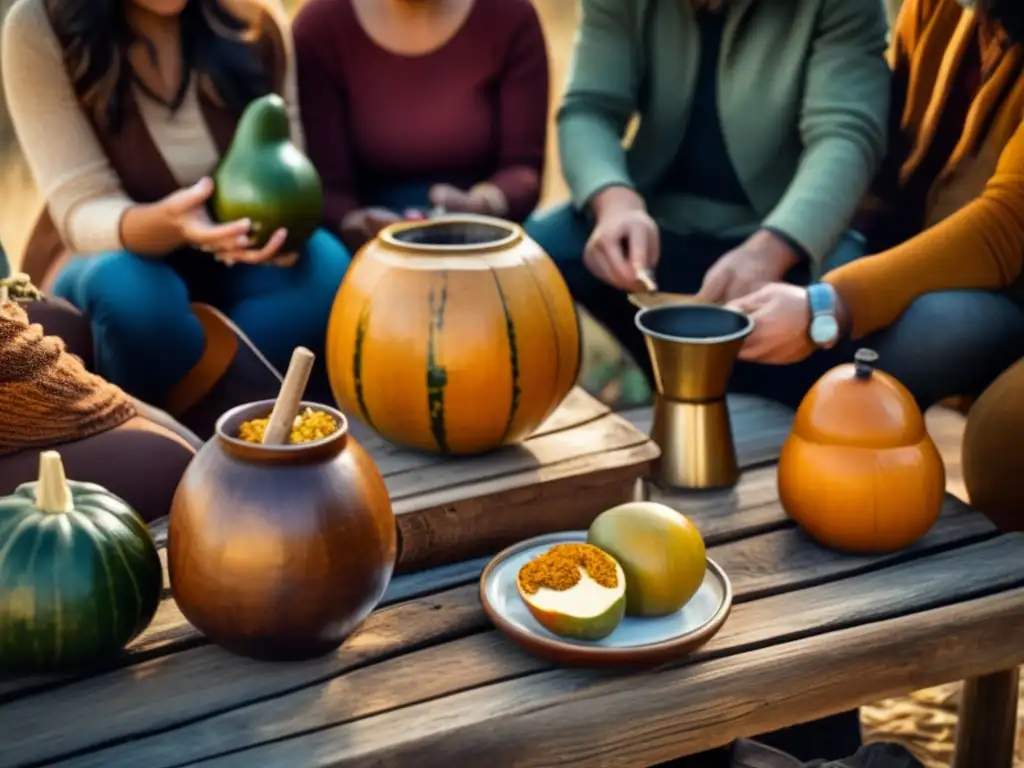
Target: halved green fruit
x,y
586,610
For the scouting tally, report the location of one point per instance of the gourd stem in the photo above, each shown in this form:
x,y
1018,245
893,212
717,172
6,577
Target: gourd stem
x,y
52,492
863,363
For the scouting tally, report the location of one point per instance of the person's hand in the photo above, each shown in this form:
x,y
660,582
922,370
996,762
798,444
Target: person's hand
x,y
782,319
365,223
483,199
762,258
229,242
625,239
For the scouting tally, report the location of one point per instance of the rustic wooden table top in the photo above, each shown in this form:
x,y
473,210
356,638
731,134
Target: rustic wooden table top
x,y
427,681
451,509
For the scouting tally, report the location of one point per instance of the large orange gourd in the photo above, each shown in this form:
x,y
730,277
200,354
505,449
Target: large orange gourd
x,y
859,472
455,335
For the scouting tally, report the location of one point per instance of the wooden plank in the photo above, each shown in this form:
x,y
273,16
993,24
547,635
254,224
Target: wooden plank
x,y
577,410
575,718
131,709
551,498
449,510
170,632
486,659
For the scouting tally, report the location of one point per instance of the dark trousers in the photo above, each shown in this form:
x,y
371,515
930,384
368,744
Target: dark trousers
x,y
945,344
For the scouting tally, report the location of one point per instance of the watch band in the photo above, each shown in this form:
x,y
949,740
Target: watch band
x,y
824,327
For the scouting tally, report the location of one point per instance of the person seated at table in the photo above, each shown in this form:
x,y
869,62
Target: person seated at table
x,y
123,110
760,128
941,298
48,401
411,105
944,308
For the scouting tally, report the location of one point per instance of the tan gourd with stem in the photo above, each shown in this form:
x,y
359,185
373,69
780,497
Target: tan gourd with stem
x,y
859,471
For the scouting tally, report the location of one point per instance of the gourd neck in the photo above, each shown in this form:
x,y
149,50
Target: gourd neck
x,y
53,495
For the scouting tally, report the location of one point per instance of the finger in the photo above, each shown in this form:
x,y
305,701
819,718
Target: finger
x,y
749,303
438,194
758,347
194,196
614,253
637,250
218,236
653,248
595,259
716,280
267,252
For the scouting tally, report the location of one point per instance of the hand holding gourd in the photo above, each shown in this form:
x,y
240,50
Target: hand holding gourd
x,y
230,242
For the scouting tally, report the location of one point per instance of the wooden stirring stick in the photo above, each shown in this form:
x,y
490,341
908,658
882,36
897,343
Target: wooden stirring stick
x,y
286,407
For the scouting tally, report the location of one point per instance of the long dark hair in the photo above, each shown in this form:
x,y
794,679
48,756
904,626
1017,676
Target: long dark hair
x,y
218,47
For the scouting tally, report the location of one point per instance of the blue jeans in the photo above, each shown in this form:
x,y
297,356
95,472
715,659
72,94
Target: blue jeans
x,y
146,336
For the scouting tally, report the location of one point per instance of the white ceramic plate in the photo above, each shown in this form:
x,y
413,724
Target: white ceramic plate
x,y
635,640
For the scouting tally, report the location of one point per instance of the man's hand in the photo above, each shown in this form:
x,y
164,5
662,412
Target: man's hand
x,y
763,258
624,241
782,319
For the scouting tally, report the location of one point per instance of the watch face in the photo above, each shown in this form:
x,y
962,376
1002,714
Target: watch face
x,y
824,330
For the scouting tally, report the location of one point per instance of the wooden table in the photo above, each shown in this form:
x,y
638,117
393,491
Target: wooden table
x,y
427,682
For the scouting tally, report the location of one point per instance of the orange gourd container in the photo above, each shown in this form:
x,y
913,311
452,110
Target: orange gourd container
x,y
859,472
454,335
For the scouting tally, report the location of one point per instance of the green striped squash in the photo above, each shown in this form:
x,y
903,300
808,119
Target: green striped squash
x,y
79,573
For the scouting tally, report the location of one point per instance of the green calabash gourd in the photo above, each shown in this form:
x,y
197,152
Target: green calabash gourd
x,y
264,177
79,573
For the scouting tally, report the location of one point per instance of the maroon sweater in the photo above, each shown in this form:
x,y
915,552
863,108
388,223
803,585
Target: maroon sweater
x,y
473,110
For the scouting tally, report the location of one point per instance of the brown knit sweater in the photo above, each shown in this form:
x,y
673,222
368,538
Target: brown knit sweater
x,y
46,395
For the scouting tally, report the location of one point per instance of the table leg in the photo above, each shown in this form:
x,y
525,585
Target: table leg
x,y
987,721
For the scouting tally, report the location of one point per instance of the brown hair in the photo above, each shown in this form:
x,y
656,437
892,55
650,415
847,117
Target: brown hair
x,y
220,46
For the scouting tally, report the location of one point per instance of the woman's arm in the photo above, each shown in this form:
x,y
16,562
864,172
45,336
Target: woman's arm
x,y
80,187
842,123
600,100
981,246
324,111
523,117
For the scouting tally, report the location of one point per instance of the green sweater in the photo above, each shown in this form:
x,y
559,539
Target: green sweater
x,y
803,98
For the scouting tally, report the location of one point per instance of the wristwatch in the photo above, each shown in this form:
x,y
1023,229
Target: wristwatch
x,y
824,330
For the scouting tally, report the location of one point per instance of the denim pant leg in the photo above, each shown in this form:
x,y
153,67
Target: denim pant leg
x,y
283,308
145,335
563,234
951,343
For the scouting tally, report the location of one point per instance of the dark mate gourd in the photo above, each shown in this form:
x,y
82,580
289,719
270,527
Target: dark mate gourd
x,y
264,177
79,573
